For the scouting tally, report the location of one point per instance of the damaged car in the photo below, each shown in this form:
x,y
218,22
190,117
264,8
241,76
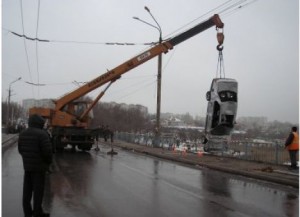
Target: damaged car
x,y
222,107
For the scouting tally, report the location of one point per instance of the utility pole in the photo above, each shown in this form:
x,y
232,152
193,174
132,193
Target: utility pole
x,y
158,103
8,101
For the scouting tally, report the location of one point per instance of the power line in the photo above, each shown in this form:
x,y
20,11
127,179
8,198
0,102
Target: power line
x,y
223,9
48,84
230,7
36,46
78,42
198,18
102,43
171,57
26,37
34,84
25,44
137,77
138,89
238,8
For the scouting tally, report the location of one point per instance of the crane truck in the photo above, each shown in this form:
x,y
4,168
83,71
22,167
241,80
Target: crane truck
x,y
69,119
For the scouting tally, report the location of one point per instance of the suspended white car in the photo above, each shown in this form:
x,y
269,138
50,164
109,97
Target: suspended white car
x,y
222,107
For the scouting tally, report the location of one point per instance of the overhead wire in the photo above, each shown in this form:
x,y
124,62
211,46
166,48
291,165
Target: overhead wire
x,y
77,42
196,19
138,89
24,36
227,7
223,9
238,8
137,77
171,57
25,46
232,6
36,46
132,85
102,43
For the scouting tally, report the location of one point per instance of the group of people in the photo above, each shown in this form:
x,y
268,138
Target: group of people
x,y
35,148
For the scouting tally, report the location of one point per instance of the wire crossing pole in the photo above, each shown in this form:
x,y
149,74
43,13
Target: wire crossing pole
x,y
158,103
158,131
8,103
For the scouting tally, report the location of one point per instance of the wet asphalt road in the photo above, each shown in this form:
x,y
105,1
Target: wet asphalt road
x,y
96,184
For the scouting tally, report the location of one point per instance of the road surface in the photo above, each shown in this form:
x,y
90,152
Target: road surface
x,y
95,184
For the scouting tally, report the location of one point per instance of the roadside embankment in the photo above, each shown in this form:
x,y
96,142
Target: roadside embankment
x,y
8,140
279,174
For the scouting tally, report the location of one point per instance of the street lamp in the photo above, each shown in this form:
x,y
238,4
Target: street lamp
x,y
157,133
8,100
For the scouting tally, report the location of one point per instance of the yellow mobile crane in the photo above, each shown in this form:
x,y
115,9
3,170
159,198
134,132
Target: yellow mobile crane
x,y
69,120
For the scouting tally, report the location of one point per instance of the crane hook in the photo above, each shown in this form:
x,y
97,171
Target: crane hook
x,y
220,47
220,38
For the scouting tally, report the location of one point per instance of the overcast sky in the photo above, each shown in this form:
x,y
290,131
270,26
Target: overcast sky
x,y
261,51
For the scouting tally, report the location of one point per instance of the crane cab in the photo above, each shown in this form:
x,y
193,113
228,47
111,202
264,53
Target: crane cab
x,y
222,107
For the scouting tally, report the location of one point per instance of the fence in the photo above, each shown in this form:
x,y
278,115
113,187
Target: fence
x,y
272,152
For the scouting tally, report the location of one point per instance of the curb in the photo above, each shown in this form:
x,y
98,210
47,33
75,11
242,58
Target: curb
x,y
8,142
294,183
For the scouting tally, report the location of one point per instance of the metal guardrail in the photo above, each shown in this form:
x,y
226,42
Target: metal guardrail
x,y
273,152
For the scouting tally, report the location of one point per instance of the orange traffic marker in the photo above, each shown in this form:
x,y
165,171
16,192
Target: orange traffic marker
x,y
200,154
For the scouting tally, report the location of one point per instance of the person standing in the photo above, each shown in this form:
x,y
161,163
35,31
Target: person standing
x,y
35,148
106,133
292,144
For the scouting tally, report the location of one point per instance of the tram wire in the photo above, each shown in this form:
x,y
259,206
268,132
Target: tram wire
x,y
226,9
25,46
36,49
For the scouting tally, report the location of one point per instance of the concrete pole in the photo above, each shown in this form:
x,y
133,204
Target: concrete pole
x,y
157,127
8,101
8,107
158,106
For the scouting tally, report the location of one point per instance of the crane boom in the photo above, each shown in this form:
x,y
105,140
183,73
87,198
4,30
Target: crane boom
x,y
138,60
69,119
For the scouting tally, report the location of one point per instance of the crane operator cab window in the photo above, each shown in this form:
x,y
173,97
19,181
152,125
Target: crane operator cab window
x,y
222,106
77,108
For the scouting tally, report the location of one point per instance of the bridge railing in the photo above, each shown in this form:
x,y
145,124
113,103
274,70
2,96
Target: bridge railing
x,y
271,152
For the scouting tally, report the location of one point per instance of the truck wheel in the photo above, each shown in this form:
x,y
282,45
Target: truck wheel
x,y
57,147
85,147
206,147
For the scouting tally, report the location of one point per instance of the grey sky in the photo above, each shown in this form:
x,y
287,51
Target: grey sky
x,y
261,51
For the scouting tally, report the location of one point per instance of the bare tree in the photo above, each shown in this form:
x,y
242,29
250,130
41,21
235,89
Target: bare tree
x,y
118,118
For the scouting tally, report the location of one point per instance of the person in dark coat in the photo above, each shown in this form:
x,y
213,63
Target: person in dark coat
x,y
106,133
35,148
